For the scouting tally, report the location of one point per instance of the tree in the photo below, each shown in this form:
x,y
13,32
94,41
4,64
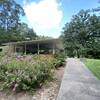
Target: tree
x,y
26,32
75,33
31,34
10,13
82,34
94,36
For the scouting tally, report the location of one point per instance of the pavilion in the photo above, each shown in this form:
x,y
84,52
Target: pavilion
x,y
47,46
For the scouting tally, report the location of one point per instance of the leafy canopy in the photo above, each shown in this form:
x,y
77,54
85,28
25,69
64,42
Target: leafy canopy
x,y
81,36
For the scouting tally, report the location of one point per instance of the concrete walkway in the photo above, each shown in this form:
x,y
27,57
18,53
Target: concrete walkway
x,y
78,83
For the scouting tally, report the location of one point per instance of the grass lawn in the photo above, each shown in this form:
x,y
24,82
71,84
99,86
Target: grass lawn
x,y
94,66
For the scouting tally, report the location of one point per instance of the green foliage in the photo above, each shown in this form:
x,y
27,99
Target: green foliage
x,y
26,32
11,28
81,36
94,66
25,75
40,37
60,59
10,13
2,54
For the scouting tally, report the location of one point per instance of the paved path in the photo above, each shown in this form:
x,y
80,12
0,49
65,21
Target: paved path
x,y
78,83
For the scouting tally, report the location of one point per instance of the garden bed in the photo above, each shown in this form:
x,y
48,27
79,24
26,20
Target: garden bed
x,y
39,75
47,92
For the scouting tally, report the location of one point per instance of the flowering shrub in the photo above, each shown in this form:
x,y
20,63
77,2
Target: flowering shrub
x,y
25,73
20,74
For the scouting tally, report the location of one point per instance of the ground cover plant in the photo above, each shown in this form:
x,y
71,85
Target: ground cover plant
x,y
94,66
25,73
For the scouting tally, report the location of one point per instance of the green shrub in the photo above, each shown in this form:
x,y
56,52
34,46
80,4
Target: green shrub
x,y
60,59
1,55
23,75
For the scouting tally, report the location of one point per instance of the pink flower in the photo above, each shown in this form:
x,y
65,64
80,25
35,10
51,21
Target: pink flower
x,y
15,86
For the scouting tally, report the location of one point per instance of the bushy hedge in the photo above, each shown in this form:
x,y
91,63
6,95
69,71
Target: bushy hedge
x,y
25,74
21,74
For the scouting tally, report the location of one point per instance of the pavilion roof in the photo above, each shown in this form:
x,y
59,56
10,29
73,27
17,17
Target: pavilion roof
x,y
57,42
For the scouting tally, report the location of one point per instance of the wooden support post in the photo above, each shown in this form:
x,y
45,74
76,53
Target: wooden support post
x,y
53,49
38,49
25,49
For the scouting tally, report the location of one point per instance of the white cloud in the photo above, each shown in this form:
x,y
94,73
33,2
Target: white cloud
x,y
45,17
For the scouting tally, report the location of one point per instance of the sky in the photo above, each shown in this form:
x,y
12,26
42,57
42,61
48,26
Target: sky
x,y
48,17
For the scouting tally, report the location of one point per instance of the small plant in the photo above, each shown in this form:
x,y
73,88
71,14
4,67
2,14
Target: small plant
x,y
59,59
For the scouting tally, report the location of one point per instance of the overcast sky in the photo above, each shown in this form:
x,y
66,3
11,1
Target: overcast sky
x,y
48,17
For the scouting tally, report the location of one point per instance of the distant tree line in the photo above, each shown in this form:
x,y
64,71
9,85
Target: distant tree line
x,y
11,29
81,36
